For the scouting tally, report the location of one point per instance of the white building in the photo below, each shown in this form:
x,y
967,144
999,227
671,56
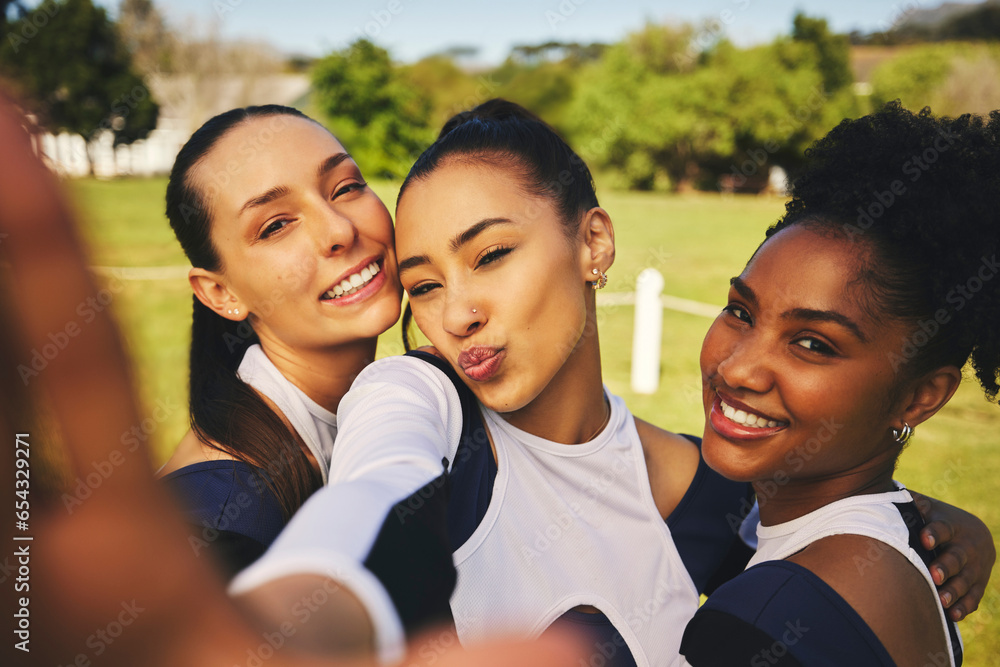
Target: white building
x,y
185,103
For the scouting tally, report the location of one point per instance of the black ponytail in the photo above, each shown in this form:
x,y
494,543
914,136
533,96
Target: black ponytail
x,y
407,318
226,413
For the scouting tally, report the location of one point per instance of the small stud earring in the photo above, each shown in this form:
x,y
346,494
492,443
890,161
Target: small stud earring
x,y
237,311
230,312
473,310
601,281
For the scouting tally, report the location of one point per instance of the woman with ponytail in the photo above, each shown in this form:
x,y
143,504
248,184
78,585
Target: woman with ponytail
x,y
293,278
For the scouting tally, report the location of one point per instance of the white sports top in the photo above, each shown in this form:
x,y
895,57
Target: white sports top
x,y
872,515
599,540
373,468
316,425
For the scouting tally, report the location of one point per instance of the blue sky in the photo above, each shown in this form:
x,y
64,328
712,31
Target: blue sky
x,y
411,29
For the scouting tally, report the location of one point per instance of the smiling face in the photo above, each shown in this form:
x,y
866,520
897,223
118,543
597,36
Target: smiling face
x,y
306,247
494,282
797,379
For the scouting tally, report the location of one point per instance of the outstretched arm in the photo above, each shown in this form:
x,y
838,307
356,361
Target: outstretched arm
x,y
380,524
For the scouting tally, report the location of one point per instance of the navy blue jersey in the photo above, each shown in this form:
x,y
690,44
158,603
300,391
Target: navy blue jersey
x,y
232,513
780,613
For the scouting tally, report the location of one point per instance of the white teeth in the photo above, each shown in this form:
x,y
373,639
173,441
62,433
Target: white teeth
x,y
744,418
354,282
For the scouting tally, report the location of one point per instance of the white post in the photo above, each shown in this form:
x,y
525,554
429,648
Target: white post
x,y
648,329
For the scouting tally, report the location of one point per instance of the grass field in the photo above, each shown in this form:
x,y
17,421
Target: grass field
x,y
697,242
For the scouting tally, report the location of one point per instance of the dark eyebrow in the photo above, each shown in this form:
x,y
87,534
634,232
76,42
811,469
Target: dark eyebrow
x,y
808,314
456,243
744,290
269,196
280,191
825,316
475,230
410,262
330,163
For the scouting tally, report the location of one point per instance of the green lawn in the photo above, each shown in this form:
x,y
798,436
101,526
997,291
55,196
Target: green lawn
x,y
697,242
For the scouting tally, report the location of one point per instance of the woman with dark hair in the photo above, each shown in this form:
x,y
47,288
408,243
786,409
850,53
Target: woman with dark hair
x,y
564,508
859,318
293,278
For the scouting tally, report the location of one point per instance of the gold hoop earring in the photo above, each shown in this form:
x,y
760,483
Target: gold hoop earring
x,y
601,280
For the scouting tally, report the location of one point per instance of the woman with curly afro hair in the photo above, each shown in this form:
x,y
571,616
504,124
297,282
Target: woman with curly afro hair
x,y
847,329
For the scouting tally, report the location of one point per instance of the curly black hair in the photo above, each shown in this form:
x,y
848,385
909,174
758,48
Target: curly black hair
x,y
921,197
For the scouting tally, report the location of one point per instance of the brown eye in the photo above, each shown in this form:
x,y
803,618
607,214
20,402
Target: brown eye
x,y
351,187
273,228
738,312
815,345
421,289
493,255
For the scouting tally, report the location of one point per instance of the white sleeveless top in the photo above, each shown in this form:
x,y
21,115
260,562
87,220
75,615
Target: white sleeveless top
x,y
316,425
872,515
578,525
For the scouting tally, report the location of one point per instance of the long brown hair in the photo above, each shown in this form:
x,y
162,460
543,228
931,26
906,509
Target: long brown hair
x,y
226,413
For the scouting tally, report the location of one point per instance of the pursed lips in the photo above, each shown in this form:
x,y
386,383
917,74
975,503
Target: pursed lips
x,y
481,362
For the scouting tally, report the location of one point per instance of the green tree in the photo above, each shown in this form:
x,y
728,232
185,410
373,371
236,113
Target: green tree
x,y
545,87
67,60
447,88
662,112
376,112
782,97
637,115
832,51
